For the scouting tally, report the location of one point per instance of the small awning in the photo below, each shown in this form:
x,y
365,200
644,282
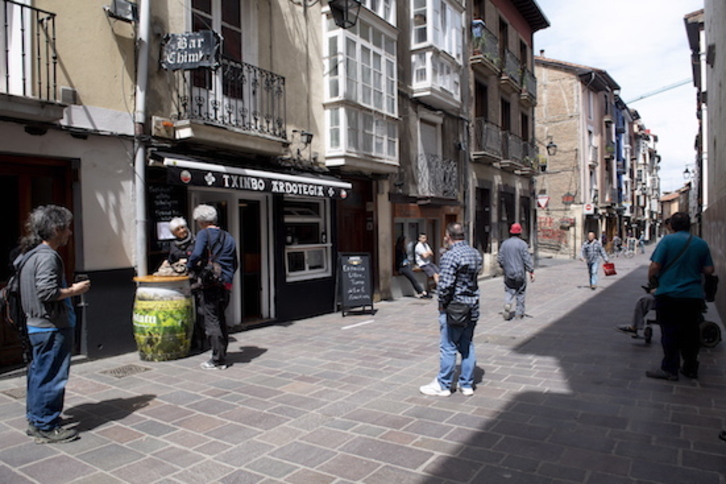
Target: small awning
x,y
200,174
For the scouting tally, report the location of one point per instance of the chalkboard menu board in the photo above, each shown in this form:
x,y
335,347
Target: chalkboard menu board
x,y
354,281
164,202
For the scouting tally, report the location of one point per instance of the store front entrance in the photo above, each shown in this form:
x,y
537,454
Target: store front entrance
x,y
247,220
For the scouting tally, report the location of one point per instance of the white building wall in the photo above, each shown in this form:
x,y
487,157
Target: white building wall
x,y
105,186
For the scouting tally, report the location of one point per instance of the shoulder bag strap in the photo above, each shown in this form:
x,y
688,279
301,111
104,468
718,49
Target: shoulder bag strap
x,y
683,250
217,243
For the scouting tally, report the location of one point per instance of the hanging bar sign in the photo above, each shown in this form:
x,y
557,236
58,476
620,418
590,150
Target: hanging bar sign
x,y
190,51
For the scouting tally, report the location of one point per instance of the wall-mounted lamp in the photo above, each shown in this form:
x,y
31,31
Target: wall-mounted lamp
x,y
345,12
687,174
306,137
551,147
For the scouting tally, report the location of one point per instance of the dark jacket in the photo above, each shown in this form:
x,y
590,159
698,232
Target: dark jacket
x,y
224,253
181,249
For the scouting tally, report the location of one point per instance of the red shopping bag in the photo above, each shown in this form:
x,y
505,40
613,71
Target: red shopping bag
x,y
609,268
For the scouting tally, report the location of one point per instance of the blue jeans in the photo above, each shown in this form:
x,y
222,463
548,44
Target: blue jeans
x,y
453,340
518,295
592,270
47,377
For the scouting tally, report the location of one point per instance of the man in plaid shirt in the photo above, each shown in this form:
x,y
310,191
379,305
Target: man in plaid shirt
x,y
460,267
591,252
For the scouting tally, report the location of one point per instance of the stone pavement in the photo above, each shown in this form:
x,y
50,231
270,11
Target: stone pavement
x,y
562,398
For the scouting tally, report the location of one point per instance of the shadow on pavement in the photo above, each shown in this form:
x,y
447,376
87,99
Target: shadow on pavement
x,y
601,420
91,415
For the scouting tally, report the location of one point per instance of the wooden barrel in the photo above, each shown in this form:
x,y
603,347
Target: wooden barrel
x,y
163,317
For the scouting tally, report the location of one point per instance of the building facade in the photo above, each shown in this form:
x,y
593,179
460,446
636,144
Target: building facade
x,y
603,176
503,156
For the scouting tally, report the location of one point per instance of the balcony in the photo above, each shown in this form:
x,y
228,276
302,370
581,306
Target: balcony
x,y
528,97
245,101
593,159
436,79
487,141
437,177
511,78
28,64
485,54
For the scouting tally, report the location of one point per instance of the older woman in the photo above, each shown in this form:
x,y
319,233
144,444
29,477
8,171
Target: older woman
x,y
222,249
183,246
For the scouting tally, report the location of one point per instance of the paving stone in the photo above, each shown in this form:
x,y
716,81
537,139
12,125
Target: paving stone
x,y
57,469
349,467
110,457
303,454
386,452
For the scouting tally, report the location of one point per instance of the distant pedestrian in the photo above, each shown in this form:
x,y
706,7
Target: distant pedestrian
x,y
641,243
46,301
403,267
515,260
425,258
458,314
679,262
214,245
591,252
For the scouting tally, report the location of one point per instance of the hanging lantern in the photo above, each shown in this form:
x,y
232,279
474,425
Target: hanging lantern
x,y
345,12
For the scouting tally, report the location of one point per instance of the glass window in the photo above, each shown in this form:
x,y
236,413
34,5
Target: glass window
x,y
333,68
353,130
419,21
307,249
334,128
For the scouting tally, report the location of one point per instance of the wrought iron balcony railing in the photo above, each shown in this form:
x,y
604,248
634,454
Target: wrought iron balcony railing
x,y
529,83
511,67
239,95
437,176
487,138
28,57
512,147
485,43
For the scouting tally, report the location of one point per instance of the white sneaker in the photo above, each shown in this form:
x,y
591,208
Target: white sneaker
x,y
467,392
433,389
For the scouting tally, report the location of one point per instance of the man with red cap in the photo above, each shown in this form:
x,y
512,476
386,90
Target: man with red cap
x,y
515,260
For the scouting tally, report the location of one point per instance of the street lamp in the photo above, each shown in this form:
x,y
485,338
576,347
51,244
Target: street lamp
x,y
687,174
551,148
345,12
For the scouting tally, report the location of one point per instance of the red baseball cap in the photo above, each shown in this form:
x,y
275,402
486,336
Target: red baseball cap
x,y
515,229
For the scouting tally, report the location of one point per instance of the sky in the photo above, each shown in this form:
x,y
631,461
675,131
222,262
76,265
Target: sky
x,y
643,46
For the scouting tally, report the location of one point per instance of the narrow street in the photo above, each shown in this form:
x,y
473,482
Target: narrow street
x,y
562,398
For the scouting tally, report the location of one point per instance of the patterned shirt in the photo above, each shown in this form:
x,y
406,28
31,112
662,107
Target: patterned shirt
x,y
591,251
460,267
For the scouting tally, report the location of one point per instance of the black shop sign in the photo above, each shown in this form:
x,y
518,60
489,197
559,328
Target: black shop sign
x,y
190,50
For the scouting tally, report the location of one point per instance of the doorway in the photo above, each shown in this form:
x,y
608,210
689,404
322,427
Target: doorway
x,y
246,219
25,184
250,268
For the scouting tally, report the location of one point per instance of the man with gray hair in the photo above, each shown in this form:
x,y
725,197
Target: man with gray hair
x,y
46,302
214,245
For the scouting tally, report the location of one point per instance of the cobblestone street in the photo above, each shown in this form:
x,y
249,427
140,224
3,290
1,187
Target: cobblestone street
x,y
561,398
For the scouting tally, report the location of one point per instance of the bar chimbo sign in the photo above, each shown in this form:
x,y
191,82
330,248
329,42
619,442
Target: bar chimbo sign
x,y
298,186
190,51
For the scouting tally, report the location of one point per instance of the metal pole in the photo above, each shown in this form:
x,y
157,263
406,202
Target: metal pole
x,y
142,76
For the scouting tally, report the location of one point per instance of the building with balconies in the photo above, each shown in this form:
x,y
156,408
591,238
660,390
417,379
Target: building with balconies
x,y
131,114
582,187
66,138
503,149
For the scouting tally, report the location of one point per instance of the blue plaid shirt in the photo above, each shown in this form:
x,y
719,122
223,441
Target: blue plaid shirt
x,y
460,267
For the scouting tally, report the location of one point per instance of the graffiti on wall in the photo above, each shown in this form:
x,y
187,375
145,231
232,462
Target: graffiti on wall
x,y
553,233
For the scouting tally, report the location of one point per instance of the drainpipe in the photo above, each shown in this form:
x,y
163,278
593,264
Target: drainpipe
x,y
142,77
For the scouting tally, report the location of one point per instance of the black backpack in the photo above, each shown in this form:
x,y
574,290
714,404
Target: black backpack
x,y
11,307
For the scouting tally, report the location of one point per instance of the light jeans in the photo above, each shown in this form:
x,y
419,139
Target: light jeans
x,y
455,340
592,270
